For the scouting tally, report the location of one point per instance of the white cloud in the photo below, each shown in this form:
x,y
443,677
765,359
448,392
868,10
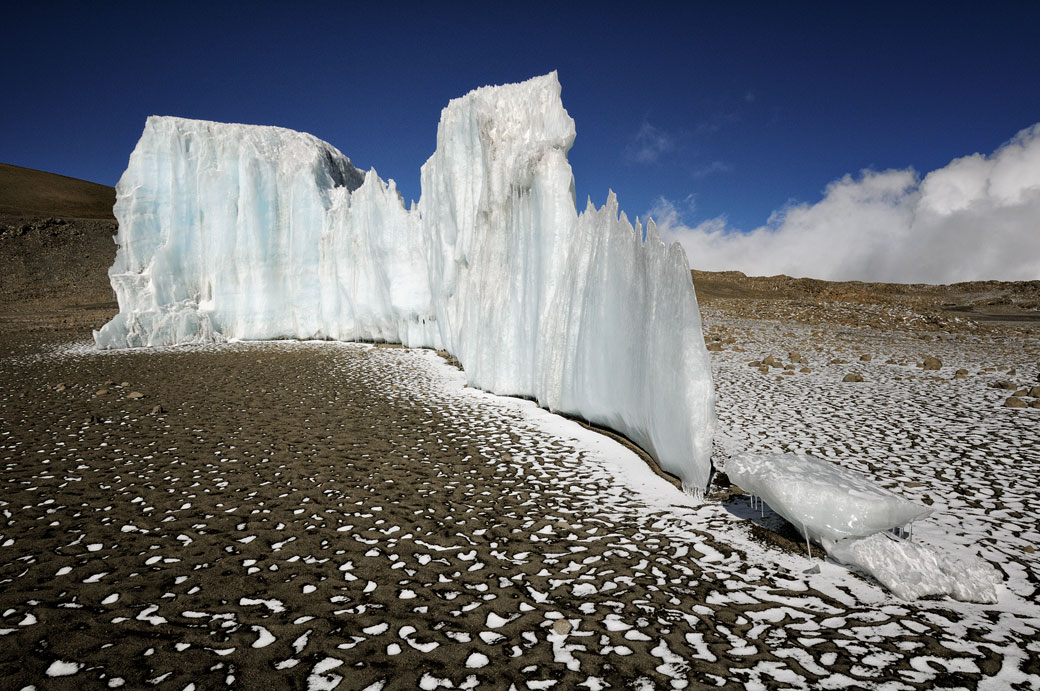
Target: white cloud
x,y
976,218
649,144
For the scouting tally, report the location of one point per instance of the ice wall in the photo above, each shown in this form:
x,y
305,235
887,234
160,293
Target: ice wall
x,y
234,231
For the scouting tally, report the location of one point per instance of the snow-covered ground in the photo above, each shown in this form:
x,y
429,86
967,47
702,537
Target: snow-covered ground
x,y
404,531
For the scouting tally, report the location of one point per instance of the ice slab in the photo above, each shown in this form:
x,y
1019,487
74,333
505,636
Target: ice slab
x,y
244,232
822,499
913,570
851,518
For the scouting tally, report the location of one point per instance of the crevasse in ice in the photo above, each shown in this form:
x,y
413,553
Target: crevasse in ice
x,y
235,231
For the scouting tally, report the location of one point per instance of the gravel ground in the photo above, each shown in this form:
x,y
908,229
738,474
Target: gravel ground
x,y
343,516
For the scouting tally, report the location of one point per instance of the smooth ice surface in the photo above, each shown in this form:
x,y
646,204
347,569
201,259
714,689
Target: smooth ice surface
x,y
821,498
245,232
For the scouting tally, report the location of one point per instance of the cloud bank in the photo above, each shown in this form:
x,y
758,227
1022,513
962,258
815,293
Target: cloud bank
x,y
977,218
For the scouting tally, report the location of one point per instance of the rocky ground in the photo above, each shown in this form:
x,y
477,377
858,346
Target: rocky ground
x,y
348,516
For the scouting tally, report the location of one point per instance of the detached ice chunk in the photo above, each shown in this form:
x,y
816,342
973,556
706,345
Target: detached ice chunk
x,y
912,570
850,516
820,498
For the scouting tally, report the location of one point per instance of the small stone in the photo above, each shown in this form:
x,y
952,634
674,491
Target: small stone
x,y
1028,549
1034,404
755,363
794,356
714,347
101,392
788,371
60,387
805,370
763,369
135,394
866,357
1014,402
789,366
157,410
853,377
769,361
1020,392
1006,385
1034,392
125,384
1011,372
931,363
837,361
812,570
561,627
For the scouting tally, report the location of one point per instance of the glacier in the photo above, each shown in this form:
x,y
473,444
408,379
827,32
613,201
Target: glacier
x,y
231,231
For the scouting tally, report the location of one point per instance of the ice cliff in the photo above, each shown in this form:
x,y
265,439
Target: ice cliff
x,y
235,231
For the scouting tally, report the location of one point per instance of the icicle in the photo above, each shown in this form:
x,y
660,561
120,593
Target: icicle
x,y
808,548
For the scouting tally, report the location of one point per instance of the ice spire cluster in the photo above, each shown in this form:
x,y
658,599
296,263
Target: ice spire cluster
x,y
236,231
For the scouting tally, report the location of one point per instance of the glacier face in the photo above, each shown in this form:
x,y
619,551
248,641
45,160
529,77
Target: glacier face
x,y
236,231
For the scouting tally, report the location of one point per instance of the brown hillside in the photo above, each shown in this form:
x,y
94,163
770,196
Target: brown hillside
x,y
28,192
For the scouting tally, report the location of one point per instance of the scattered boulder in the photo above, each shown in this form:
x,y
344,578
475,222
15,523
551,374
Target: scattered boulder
x,y
1014,402
1034,404
101,392
931,363
1006,385
561,627
1020,393
135,394
158,410
805,370
866,357
853,377
837,361
714,347
769,361
1034,392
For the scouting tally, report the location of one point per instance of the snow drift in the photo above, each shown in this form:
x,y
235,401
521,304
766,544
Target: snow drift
x,y
247,232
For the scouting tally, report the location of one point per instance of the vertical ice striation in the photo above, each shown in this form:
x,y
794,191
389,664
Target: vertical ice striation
x,y
235,231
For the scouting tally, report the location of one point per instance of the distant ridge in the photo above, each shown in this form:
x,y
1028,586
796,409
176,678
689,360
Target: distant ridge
x,y
28,192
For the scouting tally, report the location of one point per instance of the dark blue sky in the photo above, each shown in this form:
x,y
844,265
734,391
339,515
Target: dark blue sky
x,y
723,111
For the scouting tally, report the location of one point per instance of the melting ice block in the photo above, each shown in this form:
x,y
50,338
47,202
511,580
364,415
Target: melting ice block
x,y
850,516
245,232
822,499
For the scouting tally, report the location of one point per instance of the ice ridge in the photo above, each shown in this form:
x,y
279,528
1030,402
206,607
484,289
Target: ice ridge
x,y
246,232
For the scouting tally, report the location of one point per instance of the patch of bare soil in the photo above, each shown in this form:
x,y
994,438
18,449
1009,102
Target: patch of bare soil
x,y
960,307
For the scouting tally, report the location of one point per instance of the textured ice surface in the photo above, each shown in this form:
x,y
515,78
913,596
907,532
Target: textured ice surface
x,y
850,516
913,570
245,232
820,498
